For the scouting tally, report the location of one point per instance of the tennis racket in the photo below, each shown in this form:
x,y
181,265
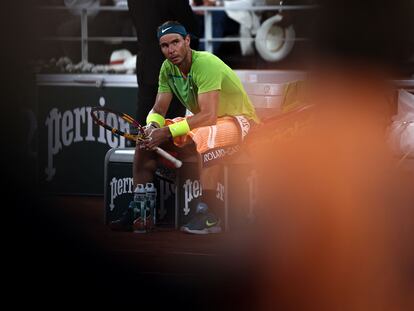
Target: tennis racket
x,y
107,118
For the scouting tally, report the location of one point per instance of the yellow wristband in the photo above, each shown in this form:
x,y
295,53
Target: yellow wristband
x,y
157,118
179,129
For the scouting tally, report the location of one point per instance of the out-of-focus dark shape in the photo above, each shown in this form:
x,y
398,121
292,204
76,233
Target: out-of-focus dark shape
x,y
378,32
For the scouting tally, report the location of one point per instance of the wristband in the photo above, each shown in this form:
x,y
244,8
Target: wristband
x,y
179,128
157,118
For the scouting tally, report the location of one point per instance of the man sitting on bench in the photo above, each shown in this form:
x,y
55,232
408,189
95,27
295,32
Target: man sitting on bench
x,y
222,117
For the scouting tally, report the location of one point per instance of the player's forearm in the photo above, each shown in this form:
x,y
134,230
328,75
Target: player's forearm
x,y
162,103
208,103
203,118
158,109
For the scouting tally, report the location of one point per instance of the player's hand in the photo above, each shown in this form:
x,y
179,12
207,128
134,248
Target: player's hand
x,y
156,138
141,143
149,128
146,131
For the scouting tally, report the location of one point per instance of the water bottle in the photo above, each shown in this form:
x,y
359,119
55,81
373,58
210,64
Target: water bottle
x,y
140,201
151,203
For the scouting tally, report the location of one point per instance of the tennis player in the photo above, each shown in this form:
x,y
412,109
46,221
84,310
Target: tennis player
x,y
222,115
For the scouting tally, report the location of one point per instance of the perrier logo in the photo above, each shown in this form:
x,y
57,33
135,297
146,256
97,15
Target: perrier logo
x,y
76,126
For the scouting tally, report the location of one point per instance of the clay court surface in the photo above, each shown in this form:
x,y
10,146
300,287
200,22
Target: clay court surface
x,y
69,255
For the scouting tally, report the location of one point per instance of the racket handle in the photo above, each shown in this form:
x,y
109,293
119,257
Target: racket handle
x,y
177,163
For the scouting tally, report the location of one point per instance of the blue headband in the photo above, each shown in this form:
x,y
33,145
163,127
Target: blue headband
x,y
171,28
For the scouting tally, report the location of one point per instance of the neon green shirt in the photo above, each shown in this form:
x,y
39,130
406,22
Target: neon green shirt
x,y
207,73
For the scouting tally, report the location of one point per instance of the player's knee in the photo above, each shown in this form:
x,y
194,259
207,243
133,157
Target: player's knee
x,y
150,165
144,159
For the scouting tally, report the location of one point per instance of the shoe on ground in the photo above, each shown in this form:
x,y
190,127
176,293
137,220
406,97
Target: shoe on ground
x,y
202,223
125,223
